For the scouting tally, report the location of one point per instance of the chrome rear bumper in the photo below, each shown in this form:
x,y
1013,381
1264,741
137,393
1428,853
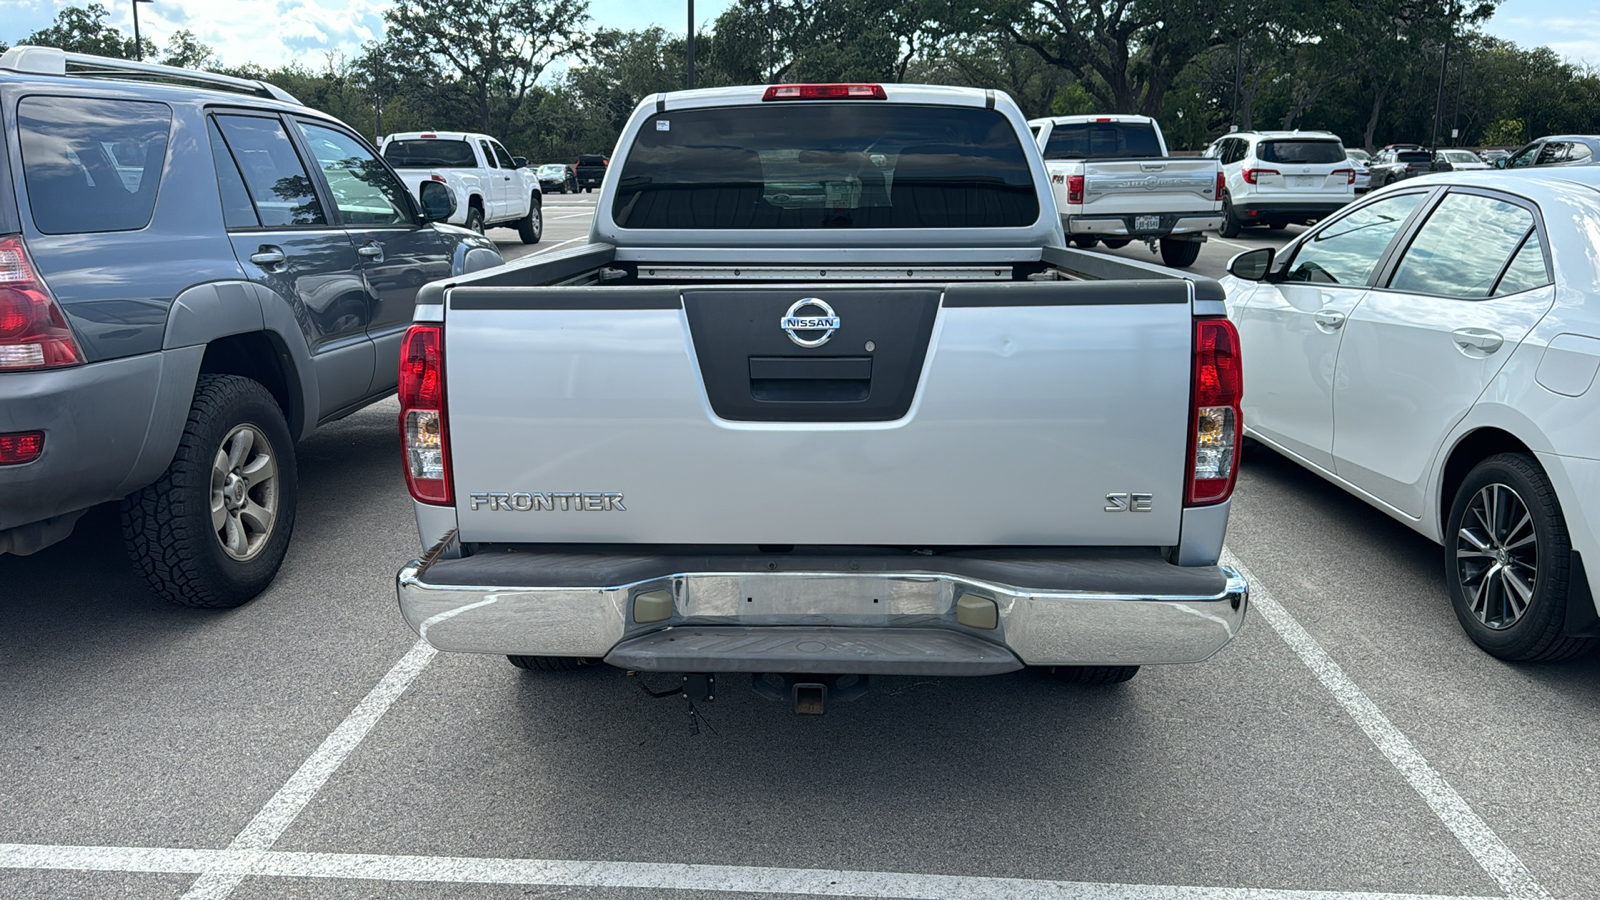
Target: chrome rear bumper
x,y
892,610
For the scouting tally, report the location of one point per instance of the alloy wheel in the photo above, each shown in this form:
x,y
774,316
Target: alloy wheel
x,y
1497,556
244,492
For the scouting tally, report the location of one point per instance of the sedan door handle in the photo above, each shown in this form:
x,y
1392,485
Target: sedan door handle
x,y
1477,339
371,251
268,256
1329,319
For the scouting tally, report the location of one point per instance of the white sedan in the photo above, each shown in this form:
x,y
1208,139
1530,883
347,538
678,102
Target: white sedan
x,y
1433,350
1461,160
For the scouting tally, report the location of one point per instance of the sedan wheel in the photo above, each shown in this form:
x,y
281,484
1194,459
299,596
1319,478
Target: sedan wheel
x,y
1507,554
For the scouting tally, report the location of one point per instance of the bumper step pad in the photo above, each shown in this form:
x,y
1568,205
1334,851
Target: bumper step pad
x,y
813,650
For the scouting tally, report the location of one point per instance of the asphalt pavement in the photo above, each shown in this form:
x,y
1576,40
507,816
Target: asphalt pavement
x,y
1352,742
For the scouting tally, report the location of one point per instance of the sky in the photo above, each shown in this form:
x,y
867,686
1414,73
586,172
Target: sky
x,y
273,32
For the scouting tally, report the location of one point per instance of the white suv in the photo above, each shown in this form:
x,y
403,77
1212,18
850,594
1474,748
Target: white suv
x,y
1278,178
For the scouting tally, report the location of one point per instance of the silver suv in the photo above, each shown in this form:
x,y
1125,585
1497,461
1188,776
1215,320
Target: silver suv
x,y
195,272
1279,178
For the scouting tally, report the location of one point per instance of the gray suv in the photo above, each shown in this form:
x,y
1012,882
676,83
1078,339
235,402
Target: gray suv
x,y
195,272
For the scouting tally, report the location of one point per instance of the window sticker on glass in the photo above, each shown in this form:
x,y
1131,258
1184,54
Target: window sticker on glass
x,y
663,125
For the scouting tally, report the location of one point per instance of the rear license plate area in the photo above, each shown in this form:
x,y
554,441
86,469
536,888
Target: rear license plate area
x,y
1146,223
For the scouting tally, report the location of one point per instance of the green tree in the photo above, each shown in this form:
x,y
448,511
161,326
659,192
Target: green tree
x,y
488,53
186,51
84,29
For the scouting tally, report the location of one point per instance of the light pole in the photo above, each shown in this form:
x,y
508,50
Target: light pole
x,y
138,45
691,45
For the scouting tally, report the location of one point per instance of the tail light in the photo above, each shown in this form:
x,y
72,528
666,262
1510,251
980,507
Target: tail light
x,y
1218,387
22,447
1222,182
33,332
424,430
1250,175
825,92
1349,175
1074,188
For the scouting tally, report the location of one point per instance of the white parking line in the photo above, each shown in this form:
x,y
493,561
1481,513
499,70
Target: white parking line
x,y
1475,835
637,876
1231,243
274,818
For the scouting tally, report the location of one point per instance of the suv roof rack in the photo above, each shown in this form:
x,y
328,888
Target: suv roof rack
x,y
51,61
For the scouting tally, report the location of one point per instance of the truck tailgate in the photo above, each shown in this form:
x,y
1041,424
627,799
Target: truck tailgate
x,y
981,414
1150,185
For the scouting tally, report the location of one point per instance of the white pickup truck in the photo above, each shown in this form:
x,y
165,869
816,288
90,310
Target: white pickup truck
x,y
491,186
1114,183
824,398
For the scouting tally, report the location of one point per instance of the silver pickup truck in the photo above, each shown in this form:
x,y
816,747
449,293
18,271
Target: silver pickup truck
x,y
826,397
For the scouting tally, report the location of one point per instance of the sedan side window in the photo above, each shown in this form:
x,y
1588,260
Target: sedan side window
x,y
1461,249
1347,250
363,190
1551,153
1525,157
1527,270
1577,153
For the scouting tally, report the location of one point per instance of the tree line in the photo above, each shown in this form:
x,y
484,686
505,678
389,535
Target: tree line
x,y
553,83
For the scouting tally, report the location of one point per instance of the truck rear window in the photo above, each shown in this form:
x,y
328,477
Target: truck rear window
x,y
430,154
1301,152
826,165
92,165
1103,140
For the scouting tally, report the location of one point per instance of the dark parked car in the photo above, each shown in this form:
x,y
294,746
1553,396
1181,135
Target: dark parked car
x,y
591,170
558,178
1556,150
1399,162
195,272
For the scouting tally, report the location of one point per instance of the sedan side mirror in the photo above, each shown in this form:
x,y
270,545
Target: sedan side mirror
x,y
1252,265
520,162
438,201
1500,163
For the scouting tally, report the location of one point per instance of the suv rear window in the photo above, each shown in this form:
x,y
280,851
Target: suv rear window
x,y
430,154
92,165
1103,140
1300,151
826,165
1414,156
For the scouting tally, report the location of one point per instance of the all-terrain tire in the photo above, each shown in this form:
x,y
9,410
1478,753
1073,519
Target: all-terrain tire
x,y
168,527
1094,674
1179,254
552,663
531,226
475,220
1479,596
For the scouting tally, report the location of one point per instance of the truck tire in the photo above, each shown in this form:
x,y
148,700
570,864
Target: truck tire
x,y
1094,674
1179,254
552,663
1116,243
475,219
1230,223
213,529
531,226
1508,562
1083,242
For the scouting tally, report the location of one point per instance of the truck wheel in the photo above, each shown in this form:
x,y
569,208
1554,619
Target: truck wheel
x,y
475,219
531,226
1116,244
213,529
1084,243
1507,553
552,663
1094,674
1230,224
1179,254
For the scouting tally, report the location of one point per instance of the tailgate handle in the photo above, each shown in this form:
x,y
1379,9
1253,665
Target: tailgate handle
x,y
829,368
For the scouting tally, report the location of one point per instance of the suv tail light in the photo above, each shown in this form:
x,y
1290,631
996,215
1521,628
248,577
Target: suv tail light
x,y
1250,175
1074,188
424,432
1222,182
1349,175
33,332
825,92
1214,438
